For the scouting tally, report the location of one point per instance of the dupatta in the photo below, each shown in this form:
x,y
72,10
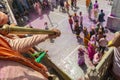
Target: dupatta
x,y
6,53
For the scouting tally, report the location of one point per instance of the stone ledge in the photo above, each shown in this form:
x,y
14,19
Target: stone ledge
x,y
113,23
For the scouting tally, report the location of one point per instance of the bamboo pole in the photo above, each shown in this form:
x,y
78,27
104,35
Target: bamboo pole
x,y
22,30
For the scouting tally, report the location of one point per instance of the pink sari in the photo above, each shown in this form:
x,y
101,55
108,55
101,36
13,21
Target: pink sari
x,y
91,50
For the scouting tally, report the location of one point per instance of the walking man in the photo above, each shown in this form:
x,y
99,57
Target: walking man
x,y
101,18
71,23
81,20
90,10
96,6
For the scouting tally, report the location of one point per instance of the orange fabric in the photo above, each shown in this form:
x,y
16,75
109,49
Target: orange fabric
x,y
6,53
88,3
86,40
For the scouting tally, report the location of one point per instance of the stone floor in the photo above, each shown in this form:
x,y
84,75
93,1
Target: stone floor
x,y
63,51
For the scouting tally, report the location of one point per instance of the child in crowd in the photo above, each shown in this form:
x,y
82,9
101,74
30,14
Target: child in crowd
x,y
81,20
71,23
97,58
46,26
81,59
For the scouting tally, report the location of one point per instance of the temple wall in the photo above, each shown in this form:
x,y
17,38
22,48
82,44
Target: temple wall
x,y
113,21
116,8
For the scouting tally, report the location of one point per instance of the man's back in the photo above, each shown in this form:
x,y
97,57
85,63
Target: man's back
x,y
101,17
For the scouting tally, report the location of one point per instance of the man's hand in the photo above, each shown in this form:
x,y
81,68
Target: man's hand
x,y
57,33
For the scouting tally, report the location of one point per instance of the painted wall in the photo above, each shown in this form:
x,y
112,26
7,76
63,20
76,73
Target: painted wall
x,y
116,8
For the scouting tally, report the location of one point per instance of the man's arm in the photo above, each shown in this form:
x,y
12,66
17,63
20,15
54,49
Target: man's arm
x,y
23,44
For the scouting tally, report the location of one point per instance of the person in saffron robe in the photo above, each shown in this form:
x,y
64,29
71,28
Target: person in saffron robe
x,y
13,65
86,36
88,3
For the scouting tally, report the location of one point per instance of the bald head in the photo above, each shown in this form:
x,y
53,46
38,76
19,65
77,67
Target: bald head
x,y
3,18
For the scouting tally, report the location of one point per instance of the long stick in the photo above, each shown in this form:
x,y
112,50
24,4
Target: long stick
x,y
23,30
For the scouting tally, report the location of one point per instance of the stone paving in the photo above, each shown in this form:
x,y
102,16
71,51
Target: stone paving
x,y
63,51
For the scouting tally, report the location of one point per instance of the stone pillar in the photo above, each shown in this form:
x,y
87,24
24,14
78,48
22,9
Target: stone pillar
x,y
113,21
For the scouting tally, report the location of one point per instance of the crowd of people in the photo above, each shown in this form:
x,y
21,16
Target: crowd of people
x,y
94,40
22,8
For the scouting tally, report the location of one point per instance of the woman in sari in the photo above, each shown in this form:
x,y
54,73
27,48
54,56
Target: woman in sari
x,y
91,47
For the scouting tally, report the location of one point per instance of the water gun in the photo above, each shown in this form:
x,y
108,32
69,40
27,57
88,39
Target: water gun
x,y
39,56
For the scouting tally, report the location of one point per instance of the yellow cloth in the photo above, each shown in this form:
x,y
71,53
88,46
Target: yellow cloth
x,y
110,43
86,39
95,13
